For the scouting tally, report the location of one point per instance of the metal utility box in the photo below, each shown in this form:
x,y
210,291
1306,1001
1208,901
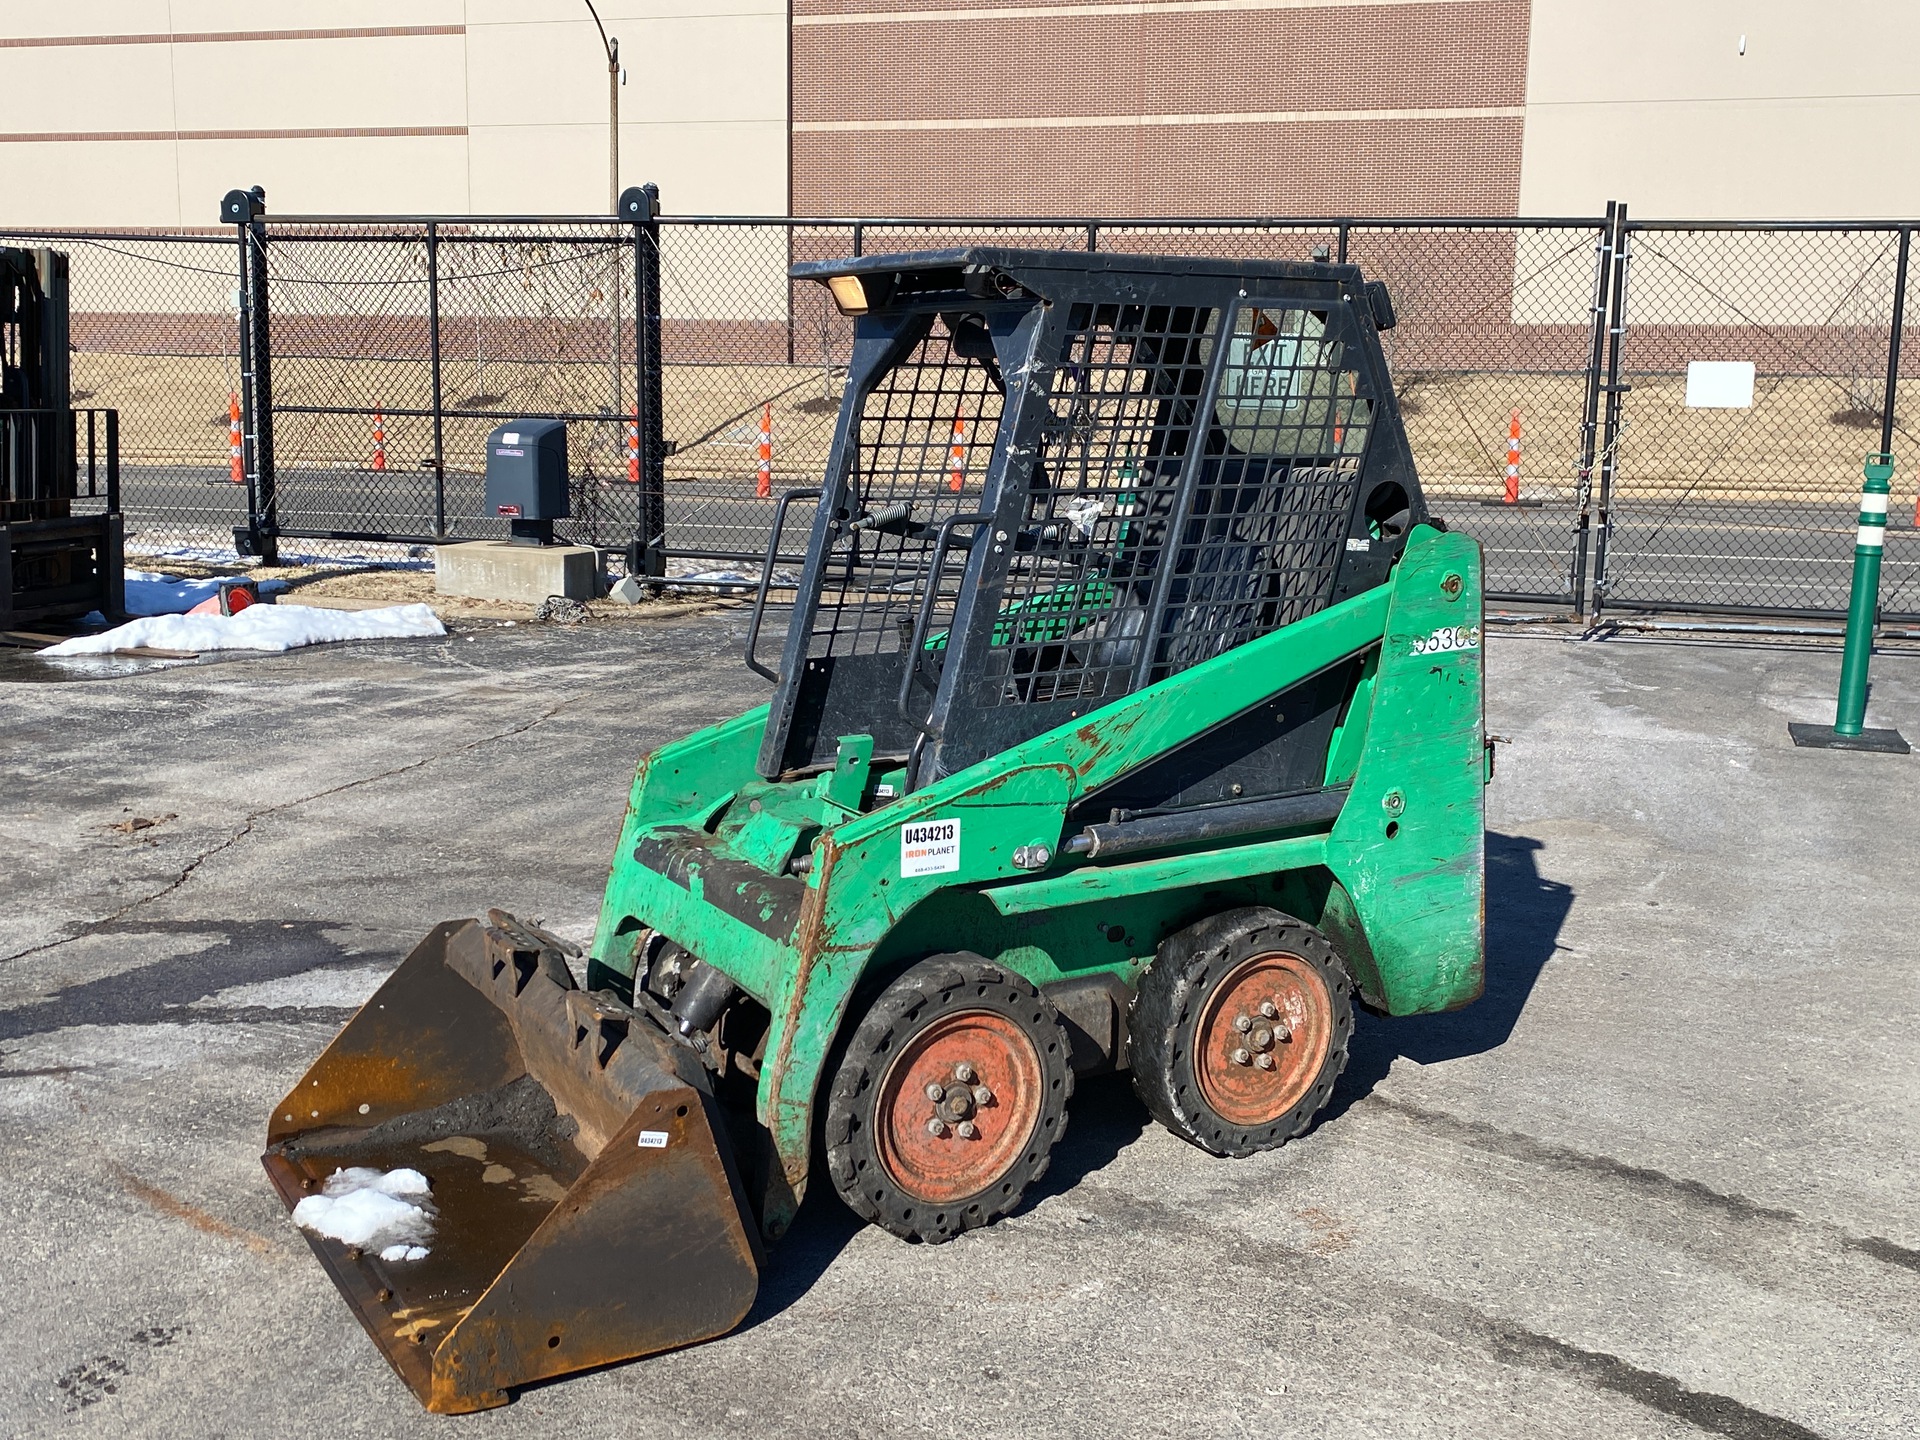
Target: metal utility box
x,y
527,478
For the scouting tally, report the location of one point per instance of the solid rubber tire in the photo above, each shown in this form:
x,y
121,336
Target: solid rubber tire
x,y
933,989
1172,997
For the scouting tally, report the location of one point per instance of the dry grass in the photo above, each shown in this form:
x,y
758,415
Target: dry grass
x,y
1802,440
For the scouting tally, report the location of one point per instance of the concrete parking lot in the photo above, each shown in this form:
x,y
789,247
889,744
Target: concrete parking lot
x,y
1663,1181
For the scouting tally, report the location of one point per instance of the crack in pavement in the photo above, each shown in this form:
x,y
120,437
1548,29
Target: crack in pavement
x,y
254,817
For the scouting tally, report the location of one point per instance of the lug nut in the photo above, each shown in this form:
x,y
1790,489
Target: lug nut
x,y
1282,1030
936,1126
966,1130
1240,1057
1264,1062
963,1072
1243,1023
936,1093
982,1095
1270,1010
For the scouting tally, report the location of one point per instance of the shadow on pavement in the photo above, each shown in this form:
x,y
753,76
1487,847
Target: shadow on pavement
x,y
1524,914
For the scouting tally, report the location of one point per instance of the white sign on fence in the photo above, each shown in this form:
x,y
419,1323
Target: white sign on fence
x,y
1719,384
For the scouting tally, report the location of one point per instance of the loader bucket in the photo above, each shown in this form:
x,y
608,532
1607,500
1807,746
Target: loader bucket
x,y
588,1208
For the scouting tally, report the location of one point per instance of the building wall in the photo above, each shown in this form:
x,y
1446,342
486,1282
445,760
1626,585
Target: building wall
x,y
1653,102
145,112
1173,107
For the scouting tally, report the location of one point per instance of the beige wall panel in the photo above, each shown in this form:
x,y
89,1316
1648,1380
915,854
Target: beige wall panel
x,y
547,74
400,175
102,183
85,88
85,17
737,169
706,69
1658,50
616,14
1804,159
695,70
194,16
734,169
321,84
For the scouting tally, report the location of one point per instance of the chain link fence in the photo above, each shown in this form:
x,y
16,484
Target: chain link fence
x,y
396,346
1752,507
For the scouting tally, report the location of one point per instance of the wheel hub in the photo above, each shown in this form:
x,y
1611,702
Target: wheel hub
x,y
957,1106
1263,1038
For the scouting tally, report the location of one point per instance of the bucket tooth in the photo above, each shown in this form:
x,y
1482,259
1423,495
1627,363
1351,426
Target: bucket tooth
x,y
588,1207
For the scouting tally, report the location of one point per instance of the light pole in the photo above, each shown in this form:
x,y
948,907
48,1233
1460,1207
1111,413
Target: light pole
x,y
611,44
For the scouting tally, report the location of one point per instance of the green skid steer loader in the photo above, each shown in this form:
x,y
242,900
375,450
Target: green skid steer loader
x,y
1128,717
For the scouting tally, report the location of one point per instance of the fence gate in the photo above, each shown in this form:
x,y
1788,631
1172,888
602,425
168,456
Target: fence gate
x,y
1758,368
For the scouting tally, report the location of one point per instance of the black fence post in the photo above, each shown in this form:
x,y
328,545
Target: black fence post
x,y
1590,411
646,556
1610,433
438,464
246,209
1893,341
1345,231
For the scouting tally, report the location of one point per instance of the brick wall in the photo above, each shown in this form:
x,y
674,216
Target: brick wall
x,y
1296,109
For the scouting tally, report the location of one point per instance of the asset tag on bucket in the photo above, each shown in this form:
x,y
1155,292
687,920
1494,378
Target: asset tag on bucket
x,y
929,847
653,1139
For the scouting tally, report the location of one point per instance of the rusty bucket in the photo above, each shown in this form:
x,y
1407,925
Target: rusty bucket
x,y
585,1205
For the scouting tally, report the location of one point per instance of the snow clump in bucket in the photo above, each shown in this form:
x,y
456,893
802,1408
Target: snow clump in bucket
x,y
371,1207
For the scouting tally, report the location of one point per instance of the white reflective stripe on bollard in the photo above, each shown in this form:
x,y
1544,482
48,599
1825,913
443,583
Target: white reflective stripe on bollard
x,y
1871,537
1872,504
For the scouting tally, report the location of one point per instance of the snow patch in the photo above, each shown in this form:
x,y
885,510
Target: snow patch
x,y
258,627
152,593
367,1207
332,989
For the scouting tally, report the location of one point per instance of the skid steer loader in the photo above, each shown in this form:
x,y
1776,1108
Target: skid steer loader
x,y
1128,716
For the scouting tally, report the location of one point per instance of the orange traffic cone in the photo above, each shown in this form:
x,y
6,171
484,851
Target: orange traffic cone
x,y
237,469
763,486
957,456
379,440
633,446
1513,459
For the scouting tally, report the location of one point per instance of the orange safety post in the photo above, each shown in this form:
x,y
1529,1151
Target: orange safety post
x,y
633,446
763,487
379,440
1513,459
236,465
957,456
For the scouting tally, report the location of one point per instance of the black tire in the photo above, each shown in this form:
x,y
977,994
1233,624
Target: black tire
x,y
1177,1038
886,1164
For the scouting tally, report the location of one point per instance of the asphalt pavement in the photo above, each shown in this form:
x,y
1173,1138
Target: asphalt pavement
x,y
1662,1181
1677,552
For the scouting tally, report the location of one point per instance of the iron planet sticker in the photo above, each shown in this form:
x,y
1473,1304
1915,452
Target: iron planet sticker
x,y
653,1139
929,847
1448,637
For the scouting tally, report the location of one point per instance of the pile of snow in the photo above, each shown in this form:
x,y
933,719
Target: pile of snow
x,y
258,627
151,593
368,1207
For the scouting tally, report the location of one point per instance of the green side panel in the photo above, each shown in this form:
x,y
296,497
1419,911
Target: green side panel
x,y
682,781
1409,850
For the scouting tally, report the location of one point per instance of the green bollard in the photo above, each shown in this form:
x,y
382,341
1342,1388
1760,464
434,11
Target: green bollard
x,y
1848,731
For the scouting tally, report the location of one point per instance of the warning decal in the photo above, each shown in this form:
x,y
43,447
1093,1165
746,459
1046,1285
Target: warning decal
x,y
929,847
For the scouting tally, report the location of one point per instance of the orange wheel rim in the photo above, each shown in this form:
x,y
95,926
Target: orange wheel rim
x,y
987,1074
1263,1038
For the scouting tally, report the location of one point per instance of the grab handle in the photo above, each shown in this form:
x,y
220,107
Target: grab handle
x,y
766,579
925,618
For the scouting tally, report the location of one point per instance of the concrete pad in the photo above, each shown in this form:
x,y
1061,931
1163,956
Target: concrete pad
x,y
527,574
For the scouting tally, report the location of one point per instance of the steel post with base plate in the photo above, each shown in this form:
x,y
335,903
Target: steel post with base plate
x,y
1848,731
